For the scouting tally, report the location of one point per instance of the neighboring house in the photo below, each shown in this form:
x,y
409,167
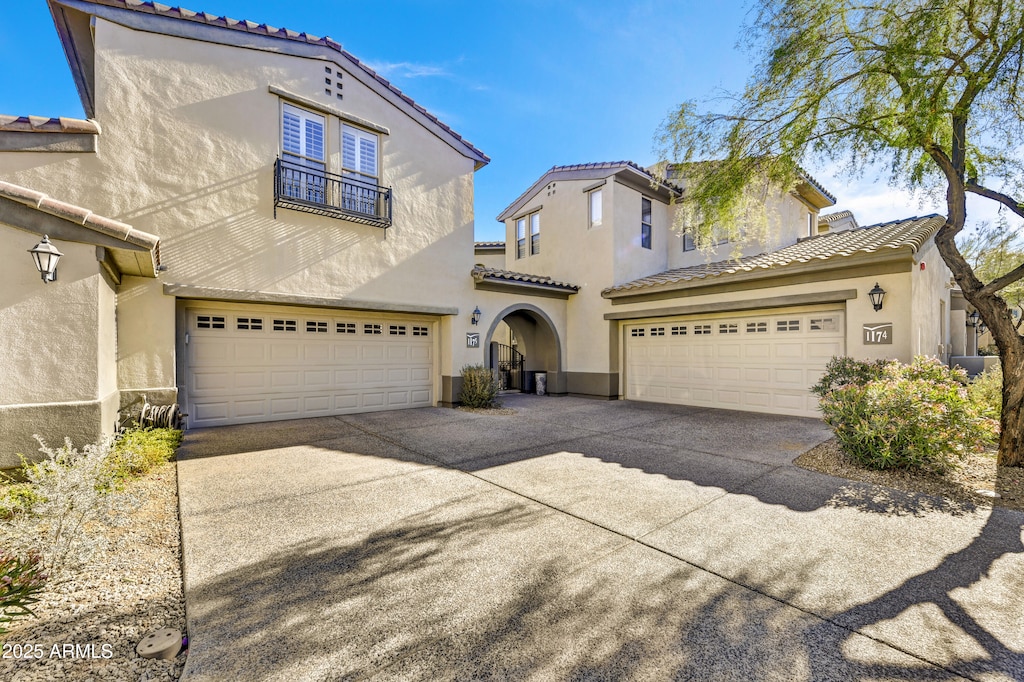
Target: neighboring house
x,y
257,226
657,320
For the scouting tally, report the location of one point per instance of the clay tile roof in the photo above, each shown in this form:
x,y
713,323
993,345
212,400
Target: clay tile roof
x,y
489,245
481,273
81,216
832,217
912,233
42,124
283,33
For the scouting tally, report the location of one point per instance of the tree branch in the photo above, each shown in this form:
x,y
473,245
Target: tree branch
x,y
1004,199
1004,281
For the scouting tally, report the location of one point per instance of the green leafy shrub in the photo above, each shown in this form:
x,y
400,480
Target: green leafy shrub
x,y
986,392
17,498
479,387
916,416
139,450
21,579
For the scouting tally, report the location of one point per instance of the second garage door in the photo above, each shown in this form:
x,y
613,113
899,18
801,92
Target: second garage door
x,y
759,362
255,364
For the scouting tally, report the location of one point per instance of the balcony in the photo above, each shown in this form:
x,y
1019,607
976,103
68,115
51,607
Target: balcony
x,y
310,190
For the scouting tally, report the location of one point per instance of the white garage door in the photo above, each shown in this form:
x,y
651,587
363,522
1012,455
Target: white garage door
x,y
760,363
250,365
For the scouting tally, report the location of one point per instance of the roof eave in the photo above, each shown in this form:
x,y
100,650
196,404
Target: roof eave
x,y
901,253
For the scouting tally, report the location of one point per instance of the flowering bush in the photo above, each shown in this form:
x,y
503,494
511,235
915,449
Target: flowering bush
x,y
21,579
479,387
891,415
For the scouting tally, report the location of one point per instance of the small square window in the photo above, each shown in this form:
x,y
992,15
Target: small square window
x,y
285,325
638,331
316,327
419,331
657,331
757,327
701,329
396,330
210,322
679,330
728,328
824,324
787,325
688,243
372,329
253,324
345,327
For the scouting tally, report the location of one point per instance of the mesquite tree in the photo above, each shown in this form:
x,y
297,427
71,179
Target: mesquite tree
x,y
929,88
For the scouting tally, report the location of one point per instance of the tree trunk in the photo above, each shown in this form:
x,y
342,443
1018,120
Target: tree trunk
x,y
995,313
1011,423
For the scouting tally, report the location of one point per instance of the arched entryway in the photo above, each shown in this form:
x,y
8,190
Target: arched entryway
x,y
521,342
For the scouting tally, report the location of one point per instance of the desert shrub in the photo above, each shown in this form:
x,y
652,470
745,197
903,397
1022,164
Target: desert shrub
x,y
479,387
139,450
986,392
916,416
843,370
991,350
72,491
21,579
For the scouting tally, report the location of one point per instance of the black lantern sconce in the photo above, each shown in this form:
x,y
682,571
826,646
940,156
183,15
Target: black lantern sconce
x,y
877,294
46,256
475,319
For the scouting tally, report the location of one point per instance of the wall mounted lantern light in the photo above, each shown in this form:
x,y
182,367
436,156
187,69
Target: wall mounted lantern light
x,y
476,315
46,256
972,319
877,294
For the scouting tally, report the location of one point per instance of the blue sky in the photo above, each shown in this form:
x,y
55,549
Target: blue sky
x,y
532,84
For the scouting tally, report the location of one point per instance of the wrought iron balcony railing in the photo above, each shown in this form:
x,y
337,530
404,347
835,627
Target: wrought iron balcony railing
x,y
301,188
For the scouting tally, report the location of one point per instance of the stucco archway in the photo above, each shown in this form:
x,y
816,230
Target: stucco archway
x,y
538,341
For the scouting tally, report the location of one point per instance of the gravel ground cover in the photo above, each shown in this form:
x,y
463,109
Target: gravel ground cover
x,y
87,628
978,472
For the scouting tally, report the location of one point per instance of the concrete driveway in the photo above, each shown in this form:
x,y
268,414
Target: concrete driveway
x,y
579,540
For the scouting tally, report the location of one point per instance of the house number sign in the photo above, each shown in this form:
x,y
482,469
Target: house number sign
x,y
876,334
472,340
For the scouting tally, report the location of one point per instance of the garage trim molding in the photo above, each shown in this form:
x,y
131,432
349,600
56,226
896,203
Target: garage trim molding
x,y
245,296
839,296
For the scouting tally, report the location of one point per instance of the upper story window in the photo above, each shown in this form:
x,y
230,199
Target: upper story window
x,y
521,238
688,243
595,208
535,234
645,223
303,181
812,225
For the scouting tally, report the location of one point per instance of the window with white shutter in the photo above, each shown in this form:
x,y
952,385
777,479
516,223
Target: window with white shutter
x,y
302,151
359,165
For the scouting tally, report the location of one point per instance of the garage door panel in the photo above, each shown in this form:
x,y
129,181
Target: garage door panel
x,y
764,362
259,367
250,409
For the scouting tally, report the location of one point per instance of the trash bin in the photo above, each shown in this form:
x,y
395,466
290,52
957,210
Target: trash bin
x,y
542,382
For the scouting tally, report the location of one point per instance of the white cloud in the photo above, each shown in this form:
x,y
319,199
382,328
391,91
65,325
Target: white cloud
x,y
400,70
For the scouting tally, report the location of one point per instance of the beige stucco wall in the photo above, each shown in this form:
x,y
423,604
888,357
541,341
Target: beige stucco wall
x,y
57,354
190,135
931,302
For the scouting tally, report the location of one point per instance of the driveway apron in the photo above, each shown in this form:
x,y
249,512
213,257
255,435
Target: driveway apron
x,y
578,540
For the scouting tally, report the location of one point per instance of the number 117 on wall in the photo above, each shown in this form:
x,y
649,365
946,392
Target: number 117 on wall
x,y
875,334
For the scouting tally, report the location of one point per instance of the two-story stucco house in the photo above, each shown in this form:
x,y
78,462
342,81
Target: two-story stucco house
x,y
256,226
253,224
655,319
